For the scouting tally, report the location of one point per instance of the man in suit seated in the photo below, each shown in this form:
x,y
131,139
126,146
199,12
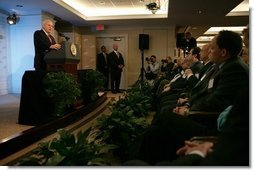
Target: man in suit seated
x,y
216,92
190,72
204,57
182,82
231,147
217,88
152,69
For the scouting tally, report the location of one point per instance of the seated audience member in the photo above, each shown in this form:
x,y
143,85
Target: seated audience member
x,y
178,81
176,72
169,90
169,131
190,72
204,57
159,83
217,88
245,51
152,68
181,83
194,60
231,147
245,55
167,65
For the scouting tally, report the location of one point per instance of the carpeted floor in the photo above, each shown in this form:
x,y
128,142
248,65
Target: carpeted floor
x,y
9,111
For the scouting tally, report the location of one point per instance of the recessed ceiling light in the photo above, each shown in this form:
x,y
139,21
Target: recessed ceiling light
x,y
241,10
200,12
215,30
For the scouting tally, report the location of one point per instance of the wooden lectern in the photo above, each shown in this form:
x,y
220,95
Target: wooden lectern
x,y
64,59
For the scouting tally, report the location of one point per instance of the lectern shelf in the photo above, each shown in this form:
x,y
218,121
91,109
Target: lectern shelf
x,y
69,53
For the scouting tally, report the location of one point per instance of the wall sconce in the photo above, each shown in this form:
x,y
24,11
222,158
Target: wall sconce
x,y
12,19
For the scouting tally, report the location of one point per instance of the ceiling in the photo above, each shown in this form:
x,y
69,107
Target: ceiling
x,y
188,15
116,9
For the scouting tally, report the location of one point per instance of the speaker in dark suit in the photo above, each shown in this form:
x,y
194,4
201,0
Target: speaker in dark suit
x,y
43,43
143,41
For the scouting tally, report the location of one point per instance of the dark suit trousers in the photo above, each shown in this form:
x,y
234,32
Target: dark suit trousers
x,y
167,134
106,75
115,80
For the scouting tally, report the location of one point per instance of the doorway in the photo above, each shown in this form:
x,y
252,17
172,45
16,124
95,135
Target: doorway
x,y
121,41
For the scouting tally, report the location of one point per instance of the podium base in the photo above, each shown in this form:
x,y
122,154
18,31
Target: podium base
x,y
69,68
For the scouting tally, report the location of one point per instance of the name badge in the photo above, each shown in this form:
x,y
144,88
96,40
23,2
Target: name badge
x,y
210,84
197,75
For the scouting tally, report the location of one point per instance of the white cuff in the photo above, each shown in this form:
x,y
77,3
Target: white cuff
x,y
189,76
197,152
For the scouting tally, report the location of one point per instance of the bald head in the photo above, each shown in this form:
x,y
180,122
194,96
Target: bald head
x,y
204,53
115,47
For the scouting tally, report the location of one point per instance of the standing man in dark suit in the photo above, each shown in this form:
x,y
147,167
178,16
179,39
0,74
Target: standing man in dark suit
x,y
190,41
116,64
44,42
102,65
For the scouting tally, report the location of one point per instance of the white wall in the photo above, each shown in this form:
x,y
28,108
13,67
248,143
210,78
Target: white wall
x,y
20,56
21,49
3,55
161,43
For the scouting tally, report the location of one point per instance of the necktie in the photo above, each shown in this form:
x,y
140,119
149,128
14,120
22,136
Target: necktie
x,y
105,57
175,78
49,38
117,54
208,74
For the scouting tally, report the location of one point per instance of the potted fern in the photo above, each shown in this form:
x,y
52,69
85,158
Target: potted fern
x,y
62,90
91,83
66,150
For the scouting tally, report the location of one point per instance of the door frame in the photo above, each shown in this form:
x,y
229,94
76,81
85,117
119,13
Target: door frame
x,y
125,56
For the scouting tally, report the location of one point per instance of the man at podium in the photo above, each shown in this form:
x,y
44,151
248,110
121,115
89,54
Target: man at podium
x,y
43,42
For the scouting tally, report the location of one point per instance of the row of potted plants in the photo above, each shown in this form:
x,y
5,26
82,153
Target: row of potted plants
x,y
63,89
111,141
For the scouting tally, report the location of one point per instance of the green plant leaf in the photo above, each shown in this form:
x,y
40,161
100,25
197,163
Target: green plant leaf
x,y
55,160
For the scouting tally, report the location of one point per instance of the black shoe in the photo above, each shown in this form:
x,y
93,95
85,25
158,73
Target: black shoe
x,y
119,91
114,92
